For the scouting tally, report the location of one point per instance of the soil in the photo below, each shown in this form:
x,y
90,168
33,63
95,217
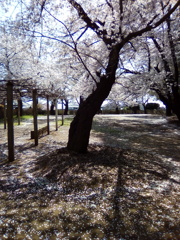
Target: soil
x,y
125,187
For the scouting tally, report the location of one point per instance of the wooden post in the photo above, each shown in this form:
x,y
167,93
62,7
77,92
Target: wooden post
x,y
4,103
10,121
35,117
56,114
48,126
19,112
62,112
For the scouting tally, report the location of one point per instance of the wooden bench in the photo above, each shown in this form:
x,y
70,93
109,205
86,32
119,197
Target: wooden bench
x,y
41,132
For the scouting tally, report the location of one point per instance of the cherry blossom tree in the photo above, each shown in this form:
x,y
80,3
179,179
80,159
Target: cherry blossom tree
x,y
166,71
156,69
94,34
120,23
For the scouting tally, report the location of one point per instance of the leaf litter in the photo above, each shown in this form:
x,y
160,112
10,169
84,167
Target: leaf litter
x,y
118,190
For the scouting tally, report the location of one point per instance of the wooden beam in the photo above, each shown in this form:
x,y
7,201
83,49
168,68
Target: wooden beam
x,y
35,117
48,125
62,112
10,121
5,119
19,111
56,112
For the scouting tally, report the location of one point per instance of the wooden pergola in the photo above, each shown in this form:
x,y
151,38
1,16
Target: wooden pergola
x,y
9,90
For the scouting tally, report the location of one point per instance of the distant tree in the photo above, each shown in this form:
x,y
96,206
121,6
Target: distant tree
x,y
166,70
152,106
156,69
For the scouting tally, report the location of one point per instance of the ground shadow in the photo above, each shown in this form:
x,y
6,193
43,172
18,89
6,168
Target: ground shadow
x,y
108,193
127,184
162,139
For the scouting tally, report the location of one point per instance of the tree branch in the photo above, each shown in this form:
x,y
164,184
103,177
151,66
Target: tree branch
x,y
84,16
150,25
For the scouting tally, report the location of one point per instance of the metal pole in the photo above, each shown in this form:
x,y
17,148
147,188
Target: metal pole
x,y
35,117
10,121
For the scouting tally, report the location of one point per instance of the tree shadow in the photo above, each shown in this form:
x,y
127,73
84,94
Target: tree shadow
x,y
127,134
86,180
108,193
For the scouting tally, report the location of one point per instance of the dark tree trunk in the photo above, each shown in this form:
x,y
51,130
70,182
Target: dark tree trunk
x,y
178,113
172,100
52,111
172,103
117,110
145,110
80,127
21,107
176,104
168,110
66,107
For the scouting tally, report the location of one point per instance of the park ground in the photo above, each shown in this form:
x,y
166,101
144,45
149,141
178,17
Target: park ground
x,y
125,187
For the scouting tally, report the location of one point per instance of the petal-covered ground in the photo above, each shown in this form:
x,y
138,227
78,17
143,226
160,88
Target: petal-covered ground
x,y
126,186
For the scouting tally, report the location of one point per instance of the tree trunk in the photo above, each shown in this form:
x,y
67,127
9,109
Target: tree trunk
x,y
168,110
176,104
79,132
21,107
52,111
172,103
80,127
66,107
145,110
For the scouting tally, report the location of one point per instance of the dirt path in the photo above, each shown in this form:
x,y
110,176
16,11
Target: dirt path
x,y
148,133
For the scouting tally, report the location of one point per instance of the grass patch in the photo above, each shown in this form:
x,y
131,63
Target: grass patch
x,y
26,117
67,121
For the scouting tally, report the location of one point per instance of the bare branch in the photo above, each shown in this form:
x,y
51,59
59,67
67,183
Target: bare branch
x,y
150,25
130,71
90,24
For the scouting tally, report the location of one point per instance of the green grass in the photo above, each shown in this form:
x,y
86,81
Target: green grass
x,y
25,117
67,121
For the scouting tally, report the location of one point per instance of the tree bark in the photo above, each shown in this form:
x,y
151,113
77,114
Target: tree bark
x,y
176,104
52,111
66,107
168,111
80,127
